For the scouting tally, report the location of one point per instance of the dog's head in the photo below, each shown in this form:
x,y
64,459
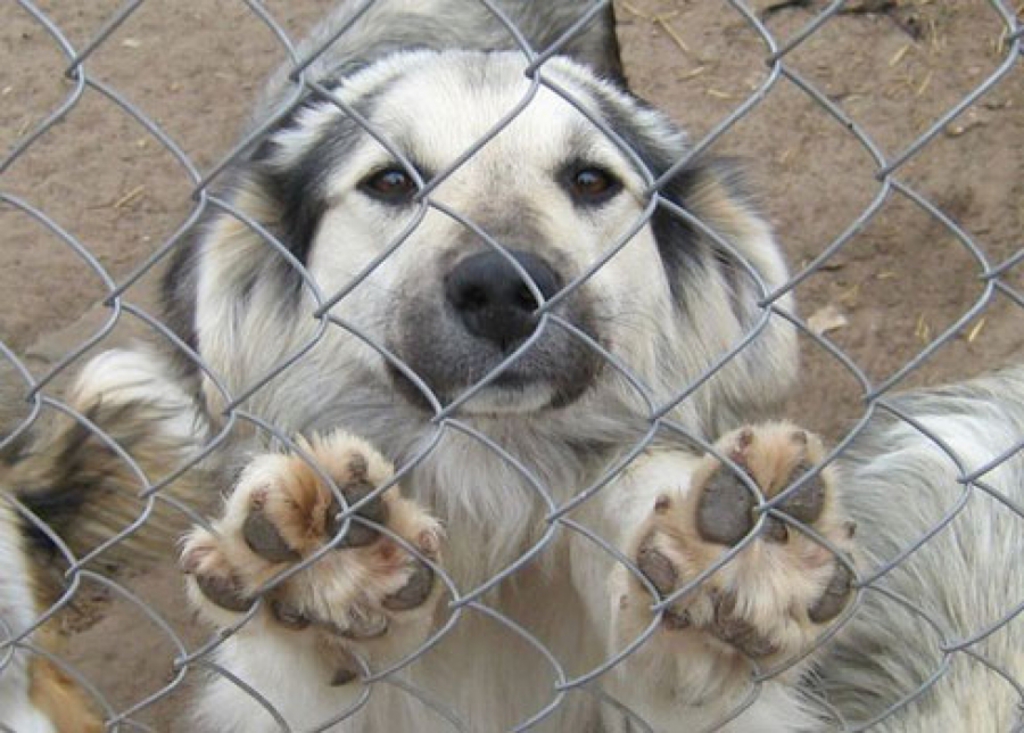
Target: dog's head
x,y
451,226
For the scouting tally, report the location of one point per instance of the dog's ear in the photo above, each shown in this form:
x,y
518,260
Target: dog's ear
x,y
595,45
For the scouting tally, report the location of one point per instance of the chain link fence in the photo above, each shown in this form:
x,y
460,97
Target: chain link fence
x,y
886,136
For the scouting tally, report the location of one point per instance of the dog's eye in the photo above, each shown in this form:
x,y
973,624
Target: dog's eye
x,y
390,185
592,186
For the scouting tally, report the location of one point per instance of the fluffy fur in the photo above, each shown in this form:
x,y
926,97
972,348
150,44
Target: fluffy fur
x,y
327,299
128,423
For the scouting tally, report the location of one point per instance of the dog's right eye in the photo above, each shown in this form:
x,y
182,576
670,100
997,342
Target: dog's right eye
x,y
390,186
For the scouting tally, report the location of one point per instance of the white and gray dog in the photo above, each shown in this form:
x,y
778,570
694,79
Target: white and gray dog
x,y
454,251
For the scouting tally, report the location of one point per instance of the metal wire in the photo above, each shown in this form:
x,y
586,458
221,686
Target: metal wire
x,y
560,519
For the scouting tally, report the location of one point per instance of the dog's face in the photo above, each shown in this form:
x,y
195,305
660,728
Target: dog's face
x,y
528,200
521,219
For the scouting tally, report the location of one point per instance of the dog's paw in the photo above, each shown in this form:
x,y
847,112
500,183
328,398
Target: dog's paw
x,y
782,588
356,583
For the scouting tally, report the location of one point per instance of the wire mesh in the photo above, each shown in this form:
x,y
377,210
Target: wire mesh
x,y
144,99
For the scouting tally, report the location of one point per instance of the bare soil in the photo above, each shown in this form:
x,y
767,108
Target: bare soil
x,y
908,285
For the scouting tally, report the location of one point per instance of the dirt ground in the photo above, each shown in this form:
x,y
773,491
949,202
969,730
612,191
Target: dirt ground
x,y
901,283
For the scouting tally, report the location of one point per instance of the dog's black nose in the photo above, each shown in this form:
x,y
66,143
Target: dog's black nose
x,y
492,299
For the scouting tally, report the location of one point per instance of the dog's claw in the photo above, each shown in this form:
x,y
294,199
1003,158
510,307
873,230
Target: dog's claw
x,y
342,677
288,616
365,625
346,671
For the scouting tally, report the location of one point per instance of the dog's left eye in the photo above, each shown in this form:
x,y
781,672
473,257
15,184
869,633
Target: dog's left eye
x,y
592,186
390,186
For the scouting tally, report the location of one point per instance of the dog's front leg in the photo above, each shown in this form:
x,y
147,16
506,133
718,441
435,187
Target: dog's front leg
x,y
341,595
748,596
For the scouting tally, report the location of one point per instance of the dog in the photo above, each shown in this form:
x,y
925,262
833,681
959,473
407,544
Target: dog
x,y
484,364
36,696
79,478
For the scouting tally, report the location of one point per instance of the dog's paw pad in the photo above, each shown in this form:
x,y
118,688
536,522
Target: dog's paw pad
x,y
836,596
727,626
288,510
805,503
656,567
215,578
415,591
263,537
725,510
225,592
357,534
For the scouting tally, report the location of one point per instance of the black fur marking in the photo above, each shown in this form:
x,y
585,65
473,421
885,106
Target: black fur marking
x,y
299,187
681,247
298,192
686,252
595,46
178,293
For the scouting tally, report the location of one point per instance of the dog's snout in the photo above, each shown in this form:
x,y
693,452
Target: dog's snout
x,y
493,300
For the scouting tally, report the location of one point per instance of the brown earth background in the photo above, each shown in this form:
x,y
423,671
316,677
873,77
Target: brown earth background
x,y
901,283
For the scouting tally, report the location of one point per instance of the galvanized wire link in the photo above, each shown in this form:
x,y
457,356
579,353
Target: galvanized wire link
x,y
559,516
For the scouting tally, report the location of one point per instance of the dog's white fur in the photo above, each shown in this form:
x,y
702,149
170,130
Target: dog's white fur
x,y
668,324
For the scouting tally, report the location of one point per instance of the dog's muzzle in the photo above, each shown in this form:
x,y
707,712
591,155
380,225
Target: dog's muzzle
x,y
482,313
